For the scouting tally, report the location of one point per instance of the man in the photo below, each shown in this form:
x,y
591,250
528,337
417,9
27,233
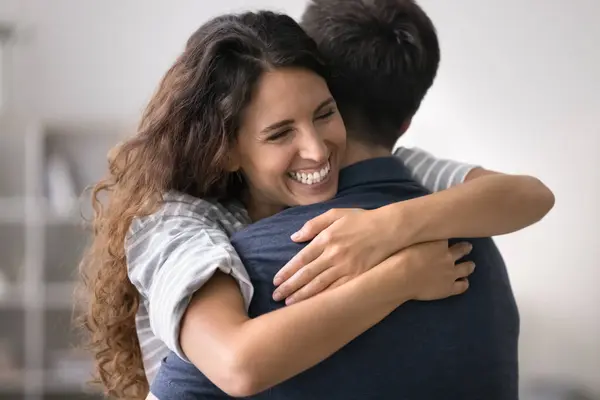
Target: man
x,y
385,56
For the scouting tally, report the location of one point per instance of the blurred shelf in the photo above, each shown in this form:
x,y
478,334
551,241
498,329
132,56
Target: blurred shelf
x,y
12,210
61,262
15,147
53,219
71,396
42,238
59,296
12,353
13,255
96,129
56,382
12,297
68,371
12,382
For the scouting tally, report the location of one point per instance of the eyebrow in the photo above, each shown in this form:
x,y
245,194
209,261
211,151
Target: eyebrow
x,y
285,122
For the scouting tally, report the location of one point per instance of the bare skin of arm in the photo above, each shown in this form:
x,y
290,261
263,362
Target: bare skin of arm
x,y
245,356
487,204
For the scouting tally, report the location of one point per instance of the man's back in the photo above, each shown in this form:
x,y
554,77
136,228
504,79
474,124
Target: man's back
x,y
463,347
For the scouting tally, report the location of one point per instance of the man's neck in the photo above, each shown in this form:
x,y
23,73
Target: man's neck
x,y
357,151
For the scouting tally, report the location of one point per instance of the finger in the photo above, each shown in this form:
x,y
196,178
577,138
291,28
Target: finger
x,y
338,283
460,250
304,257
460,286
315,286
465,269
300,279
316,225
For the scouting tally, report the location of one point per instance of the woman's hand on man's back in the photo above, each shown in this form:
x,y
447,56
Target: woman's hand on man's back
x,y
345,243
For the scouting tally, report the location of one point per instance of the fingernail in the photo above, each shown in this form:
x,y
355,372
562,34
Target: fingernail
x,y
277,281
289,301
469,247
277,296
296,236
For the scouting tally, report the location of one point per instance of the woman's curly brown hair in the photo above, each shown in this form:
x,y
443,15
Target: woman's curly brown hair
x,y
182,144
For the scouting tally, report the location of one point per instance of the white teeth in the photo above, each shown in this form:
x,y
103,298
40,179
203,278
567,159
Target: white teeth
x,y
309,178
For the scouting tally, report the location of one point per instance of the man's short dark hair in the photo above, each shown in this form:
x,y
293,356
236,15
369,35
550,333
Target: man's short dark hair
x,y
384,56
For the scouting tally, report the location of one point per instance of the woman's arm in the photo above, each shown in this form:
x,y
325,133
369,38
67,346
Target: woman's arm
x,y
487,204
502,205
245,356
352,241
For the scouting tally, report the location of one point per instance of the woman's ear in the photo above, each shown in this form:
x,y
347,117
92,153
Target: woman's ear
x,y
232,164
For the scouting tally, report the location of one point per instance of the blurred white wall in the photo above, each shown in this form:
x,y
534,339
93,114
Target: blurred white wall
x,y
518,91
103,58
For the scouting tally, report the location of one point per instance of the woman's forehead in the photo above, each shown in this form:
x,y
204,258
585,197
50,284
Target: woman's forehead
x,y
285,94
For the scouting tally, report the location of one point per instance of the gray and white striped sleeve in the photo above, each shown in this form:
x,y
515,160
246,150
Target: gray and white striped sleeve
x,y
169,258
433,173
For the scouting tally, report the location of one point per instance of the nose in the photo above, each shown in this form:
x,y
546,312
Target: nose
x,y
312,146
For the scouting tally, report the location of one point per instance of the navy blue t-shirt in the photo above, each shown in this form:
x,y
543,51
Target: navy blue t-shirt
x,y
460,348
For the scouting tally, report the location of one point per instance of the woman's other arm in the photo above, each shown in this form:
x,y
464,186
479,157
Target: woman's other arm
x,y
245,356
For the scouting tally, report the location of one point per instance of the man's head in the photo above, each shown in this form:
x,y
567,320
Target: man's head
x,y
384,56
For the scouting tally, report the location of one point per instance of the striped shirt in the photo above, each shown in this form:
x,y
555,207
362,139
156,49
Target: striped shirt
x,y
173,252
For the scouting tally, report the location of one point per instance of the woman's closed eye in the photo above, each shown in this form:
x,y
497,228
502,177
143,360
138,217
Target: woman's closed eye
x,y
279,135
326,114
285,132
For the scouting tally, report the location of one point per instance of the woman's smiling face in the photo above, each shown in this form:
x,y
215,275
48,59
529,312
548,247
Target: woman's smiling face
x,y
290,143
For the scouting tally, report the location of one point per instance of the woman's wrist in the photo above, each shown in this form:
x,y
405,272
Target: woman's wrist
x,y
395,277
401,225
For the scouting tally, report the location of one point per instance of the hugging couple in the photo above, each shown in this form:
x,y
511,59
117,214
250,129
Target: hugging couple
x,y
258,238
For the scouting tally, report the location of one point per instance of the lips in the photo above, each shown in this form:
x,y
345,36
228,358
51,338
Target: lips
x,y
311,177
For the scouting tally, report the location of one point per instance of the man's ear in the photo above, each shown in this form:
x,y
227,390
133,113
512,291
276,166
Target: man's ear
x,y
232,164
405,125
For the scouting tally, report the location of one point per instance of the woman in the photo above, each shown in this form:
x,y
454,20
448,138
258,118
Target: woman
x,y
205,136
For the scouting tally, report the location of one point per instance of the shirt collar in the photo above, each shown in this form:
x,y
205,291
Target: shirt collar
x,y
374,170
